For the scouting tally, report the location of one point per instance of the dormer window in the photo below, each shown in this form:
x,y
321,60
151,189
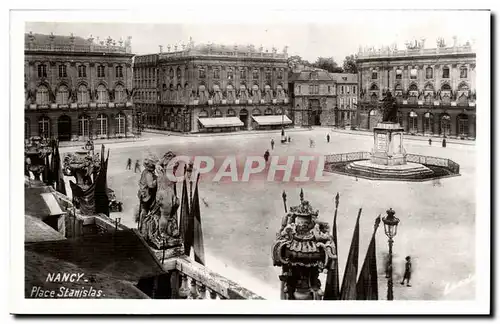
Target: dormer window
x,y
374,75
216,74
255,74
446,72
201,73
463,72
428,73
119,71
82,71
399,74
413,73
230,74
100,71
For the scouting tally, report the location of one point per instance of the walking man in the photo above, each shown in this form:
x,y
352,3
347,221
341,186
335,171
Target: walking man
x,y
430,141
137,166
272,144
129,164
266,155
444,142
407,274
328,138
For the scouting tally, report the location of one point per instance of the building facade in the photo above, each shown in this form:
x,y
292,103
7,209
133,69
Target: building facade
x,y
213,88
77,89
313,94
347,98
435,88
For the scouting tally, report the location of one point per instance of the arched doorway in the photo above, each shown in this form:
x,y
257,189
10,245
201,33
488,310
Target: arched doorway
x,y
413,122
463,125
244,117
445,124
428,125
64,128
315,112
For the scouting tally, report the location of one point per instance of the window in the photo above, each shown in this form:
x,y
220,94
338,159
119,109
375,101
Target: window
x,y
329,89
413,122
230,74
374,75
83,126
316,89
243,74
446,72
256,112
353,89
26,128
413,73
399,74
268,75
341,103
348,90
280,74
179,74
62,95
62,71
120,124
203,113
101,71
44,127
217,113
463,72
119,71
42,95
42,71
102,94
255,74
231,112
268,111
428,73
119,94
341,89
150,73
372,112
102,125
201,73
82,71
216,74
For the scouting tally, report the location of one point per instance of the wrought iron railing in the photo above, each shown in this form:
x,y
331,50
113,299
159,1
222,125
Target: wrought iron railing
x,y
347,157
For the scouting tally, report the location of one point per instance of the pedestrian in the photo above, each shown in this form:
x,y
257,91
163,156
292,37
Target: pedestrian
x,y
407,274
137,166
328,138
266,155
444,142
430,141
272,144
129,164
311,142
289,139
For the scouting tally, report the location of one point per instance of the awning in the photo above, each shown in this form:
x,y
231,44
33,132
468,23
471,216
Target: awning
x,y
272,120
221,122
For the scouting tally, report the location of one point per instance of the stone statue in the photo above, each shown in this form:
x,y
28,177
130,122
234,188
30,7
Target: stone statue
x,y
158,203
390,108
303,248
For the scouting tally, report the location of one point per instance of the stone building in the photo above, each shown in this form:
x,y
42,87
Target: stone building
x,y
435,88
213,88
314,97
347,98
77,88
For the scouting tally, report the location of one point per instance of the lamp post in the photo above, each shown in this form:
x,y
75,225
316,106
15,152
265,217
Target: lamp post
x,y
391,229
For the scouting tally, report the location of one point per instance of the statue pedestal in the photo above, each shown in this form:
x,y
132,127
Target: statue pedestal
x,y
388,144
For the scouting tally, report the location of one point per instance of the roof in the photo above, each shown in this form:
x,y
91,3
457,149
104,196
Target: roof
x,y
310,75
344,77
41,202
272,120
35,230
113,262
221,122
58,39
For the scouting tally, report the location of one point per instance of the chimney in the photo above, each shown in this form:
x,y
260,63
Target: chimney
x,y
161,48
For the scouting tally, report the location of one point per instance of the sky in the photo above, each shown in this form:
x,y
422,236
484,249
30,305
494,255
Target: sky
x,y
336,34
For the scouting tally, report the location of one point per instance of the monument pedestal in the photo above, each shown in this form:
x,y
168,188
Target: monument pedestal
x,y
388,149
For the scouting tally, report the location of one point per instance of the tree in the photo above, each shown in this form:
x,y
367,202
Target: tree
x,y
328,64
350,65
295,60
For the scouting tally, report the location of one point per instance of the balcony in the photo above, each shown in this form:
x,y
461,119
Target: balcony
x,y
91,105
91,48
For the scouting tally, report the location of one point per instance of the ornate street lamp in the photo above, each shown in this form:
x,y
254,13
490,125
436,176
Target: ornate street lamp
x,y
391,229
